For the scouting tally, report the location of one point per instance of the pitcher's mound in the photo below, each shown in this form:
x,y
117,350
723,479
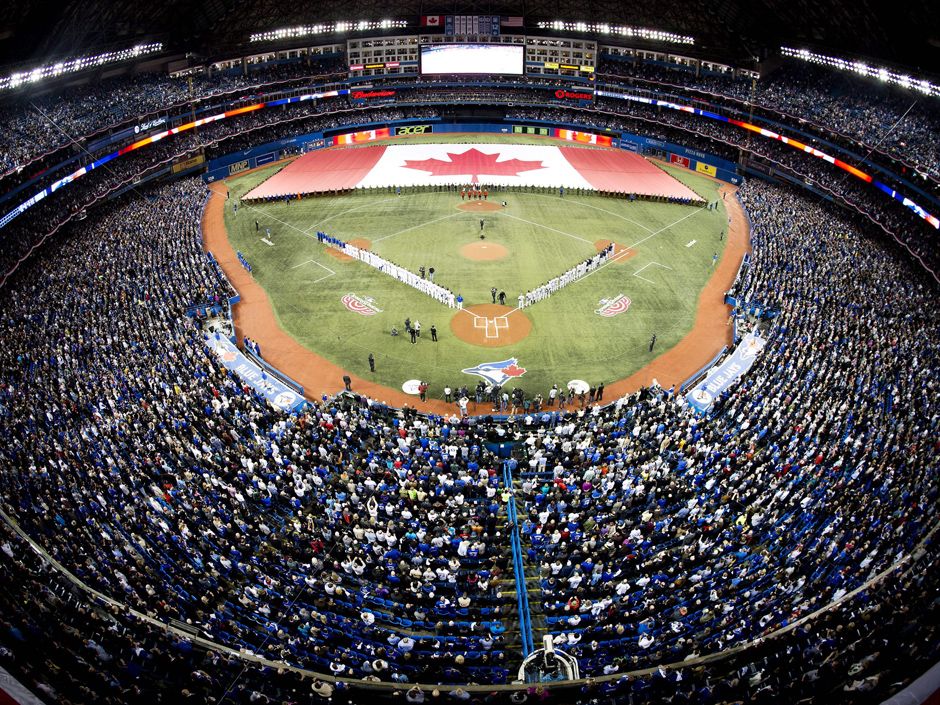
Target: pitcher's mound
x,y
490,325
620,254
483,251
479,207
359,242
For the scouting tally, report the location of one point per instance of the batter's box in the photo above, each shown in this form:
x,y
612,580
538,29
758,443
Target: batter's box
x,y
492,326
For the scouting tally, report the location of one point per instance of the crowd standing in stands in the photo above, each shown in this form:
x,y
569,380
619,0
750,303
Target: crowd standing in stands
x,y
366,542
369,543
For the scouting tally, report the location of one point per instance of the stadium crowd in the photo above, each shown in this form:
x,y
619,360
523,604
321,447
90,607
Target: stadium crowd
x,y
47,215
884,119
662,536
37,125
372,543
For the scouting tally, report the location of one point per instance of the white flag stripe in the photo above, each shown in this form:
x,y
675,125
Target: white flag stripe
x,y
555,170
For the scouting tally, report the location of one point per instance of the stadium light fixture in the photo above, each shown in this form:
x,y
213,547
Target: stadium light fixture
x,y
326,28
882,73
655,35
80,63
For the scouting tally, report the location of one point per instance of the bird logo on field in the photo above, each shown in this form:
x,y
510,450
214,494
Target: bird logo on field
x,y
497,373
285,400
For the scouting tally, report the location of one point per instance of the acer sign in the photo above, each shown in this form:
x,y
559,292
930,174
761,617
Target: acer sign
x,y
414,129
363,95
562,94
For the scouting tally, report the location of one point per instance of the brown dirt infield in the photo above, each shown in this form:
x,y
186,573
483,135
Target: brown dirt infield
x,y
479,207
620,255
483,251
254,315
474,323
359,242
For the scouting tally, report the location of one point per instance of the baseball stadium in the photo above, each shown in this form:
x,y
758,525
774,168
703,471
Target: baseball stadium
x,y
424,354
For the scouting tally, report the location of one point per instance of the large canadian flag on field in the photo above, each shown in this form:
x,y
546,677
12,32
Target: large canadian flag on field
x,y
507,165
521,165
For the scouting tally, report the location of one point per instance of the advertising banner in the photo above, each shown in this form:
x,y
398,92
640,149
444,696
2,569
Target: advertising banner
x,y
271,388
703,395
401,130
679,160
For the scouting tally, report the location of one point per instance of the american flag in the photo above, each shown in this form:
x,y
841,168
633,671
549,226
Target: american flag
x,y
511,21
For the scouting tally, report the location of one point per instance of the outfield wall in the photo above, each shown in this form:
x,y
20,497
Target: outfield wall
x,y
677,155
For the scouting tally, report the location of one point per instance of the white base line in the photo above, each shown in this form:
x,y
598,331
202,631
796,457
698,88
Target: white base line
x,y
639,242
322,266
597,208
346,212
611,260
539,225
415,227
650,264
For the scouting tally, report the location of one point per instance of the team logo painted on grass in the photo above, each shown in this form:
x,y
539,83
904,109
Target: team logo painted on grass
x,y
363,305
613,307
497,373
579,386
411,387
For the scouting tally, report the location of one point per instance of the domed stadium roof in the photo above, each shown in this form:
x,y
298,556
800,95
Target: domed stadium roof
x,y
902,33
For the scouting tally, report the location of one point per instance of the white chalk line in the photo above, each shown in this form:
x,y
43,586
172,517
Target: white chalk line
x,y
313,261
346,212
540,225
597,208
650,264
639,242
416,227
611,260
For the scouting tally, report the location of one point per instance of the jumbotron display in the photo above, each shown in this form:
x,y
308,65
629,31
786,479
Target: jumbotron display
x,y
458,59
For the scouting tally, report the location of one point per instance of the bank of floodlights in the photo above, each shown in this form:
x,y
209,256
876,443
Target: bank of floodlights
x,y
309,30
863,69
81,63
652,35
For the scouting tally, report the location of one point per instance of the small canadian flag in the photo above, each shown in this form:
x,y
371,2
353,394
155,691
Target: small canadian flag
x,y
432,20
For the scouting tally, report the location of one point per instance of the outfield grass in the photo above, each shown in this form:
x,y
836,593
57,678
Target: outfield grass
x,y
545,235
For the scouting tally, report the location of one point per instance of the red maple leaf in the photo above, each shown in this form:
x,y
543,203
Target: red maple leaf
x,y
473,162
229,356
514,371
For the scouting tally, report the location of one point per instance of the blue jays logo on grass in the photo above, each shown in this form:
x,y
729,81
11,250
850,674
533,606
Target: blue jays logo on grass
x,y
497,373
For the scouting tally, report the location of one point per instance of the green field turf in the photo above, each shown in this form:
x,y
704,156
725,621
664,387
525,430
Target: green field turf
x,y
545,234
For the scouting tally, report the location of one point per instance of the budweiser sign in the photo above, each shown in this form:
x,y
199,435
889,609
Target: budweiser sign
x,y
360,95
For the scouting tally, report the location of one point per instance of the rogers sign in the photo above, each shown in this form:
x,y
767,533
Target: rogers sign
x,y
562,94
361,95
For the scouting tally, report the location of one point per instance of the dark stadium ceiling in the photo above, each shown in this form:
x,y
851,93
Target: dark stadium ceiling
x,y
905,32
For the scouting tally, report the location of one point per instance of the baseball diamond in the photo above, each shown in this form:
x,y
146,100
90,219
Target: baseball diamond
x,y
553,253
580,354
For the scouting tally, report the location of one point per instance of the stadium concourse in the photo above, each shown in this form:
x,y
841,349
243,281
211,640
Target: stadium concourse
x,y
430,165
170,534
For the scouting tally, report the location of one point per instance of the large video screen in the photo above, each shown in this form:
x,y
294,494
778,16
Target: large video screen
x,y
472,59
